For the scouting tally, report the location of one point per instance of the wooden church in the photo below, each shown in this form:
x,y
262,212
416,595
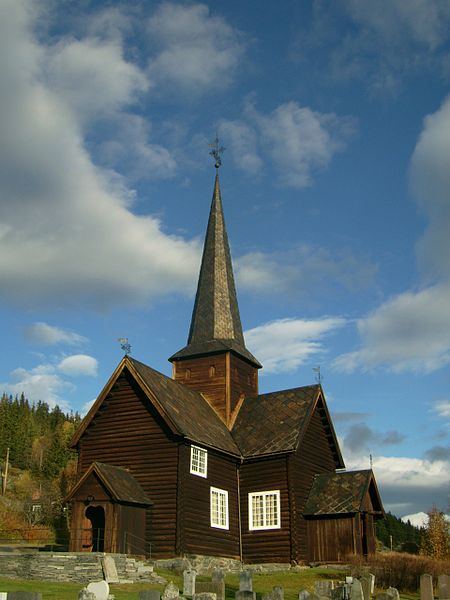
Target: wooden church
x,y
202,463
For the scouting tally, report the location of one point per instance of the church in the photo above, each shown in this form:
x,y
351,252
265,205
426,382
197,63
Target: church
x,y
203,463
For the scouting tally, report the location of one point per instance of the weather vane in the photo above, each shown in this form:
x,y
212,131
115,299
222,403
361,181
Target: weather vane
x,y
319,377
216,151
125,345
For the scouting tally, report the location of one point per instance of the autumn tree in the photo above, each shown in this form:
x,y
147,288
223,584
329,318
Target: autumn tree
x,y
436,537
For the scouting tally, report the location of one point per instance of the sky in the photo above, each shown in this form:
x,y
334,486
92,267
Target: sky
x,y
335,118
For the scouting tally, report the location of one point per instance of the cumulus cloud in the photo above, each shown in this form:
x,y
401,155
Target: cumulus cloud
x,y
284,344
296,139
407,485
442,408
197,52
48,335
300,269
411,332
66,229
79,364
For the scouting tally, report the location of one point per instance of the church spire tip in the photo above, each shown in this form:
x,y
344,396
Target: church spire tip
x,y
216,151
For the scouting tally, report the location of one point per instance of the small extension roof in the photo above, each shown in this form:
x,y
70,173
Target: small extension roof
x,y
342,492
119,483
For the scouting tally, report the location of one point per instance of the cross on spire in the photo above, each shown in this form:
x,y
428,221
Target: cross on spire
x,y
216,151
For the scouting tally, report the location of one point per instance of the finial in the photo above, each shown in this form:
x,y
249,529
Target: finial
x,y
216,152
125,345
319,376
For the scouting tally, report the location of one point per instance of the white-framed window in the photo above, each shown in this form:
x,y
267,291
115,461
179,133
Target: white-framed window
x,y
199,461
219,508
264,510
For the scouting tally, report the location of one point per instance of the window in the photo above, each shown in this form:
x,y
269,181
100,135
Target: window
x,y
264,510
219,508
199,461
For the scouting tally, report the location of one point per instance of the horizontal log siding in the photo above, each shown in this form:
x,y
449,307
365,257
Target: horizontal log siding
x,y
127,432
196,534
313,456
206,375
272,545
331,539
244,380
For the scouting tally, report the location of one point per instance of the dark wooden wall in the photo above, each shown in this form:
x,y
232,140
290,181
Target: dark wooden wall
x,y
272,545
332,539
244,381
127,432
313,456
196,536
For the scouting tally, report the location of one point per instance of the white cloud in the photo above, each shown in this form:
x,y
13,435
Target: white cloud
x,y
42,333
411,332
79,364
300,269
284,344
442,407
406,485
67,233
197,52
298,140
41,383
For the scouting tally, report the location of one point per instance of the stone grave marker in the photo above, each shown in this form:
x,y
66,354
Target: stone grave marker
x,y
205,596
100,589
245,581
149,595
368,585
217,588
444,587
109,569
393,593
303,595
3,595
85,595
189,582
323,588
426,587
356,591
24,596
170,591
218,576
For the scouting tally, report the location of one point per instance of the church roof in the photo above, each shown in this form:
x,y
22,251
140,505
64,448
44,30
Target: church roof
x,y
118,481
341,492
275,422
216,323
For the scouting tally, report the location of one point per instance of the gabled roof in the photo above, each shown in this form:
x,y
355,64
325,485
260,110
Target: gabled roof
x,y
119,483
276,422
342,492
216,323
185,411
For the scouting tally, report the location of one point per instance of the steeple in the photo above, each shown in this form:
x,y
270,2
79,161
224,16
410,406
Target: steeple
x,y
216,323
215,361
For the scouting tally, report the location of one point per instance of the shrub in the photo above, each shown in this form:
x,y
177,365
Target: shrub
x,y
399,570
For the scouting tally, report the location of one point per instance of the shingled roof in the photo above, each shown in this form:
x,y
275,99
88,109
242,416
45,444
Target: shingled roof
x,y
341,492
275,422
119,483
216,324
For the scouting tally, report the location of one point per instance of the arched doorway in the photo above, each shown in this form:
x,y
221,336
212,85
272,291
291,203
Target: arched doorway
x,y
94,529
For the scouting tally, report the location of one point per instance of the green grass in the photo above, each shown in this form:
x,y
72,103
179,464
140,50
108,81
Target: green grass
x,y
292,583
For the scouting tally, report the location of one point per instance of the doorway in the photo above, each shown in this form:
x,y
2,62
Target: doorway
x,y
94,528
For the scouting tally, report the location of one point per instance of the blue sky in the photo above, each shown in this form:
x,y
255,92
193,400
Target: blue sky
x,y
335,117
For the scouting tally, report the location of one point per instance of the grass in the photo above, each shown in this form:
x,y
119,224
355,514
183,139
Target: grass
x,y
292,583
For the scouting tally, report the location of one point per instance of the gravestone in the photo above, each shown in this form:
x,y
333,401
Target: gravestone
x,y
85,595
218,576
217,588
24,596
303,595
393,593
205,596
100,589
109,569
149,595
245,581
368,585
170,591
444,587
3,595
356,591
323,588
426,587
277,593
245,595
189,582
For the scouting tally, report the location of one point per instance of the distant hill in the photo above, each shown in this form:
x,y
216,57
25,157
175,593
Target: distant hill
x,y
397,534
